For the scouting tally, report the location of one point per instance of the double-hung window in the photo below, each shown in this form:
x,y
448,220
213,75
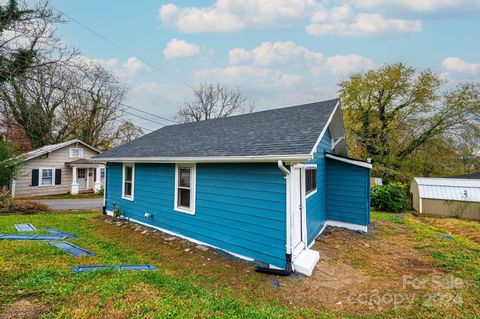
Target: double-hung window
x,y
185,189
47,177
102,175
128,181
310,181
76,152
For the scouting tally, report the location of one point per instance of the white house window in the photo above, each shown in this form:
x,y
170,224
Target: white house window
x,y
310,180
185,189
76,153
47,176
102,175
128,181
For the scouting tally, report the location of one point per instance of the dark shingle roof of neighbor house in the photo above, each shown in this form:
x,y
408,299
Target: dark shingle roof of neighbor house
x,y
467,176
283,131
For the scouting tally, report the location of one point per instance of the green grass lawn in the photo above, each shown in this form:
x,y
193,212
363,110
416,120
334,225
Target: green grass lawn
x,y
191,283
38,270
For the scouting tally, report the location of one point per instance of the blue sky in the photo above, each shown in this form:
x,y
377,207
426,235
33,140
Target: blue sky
x,y
278,52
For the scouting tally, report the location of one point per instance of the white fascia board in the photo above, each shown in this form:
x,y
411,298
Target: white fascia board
x,y
325,129
209,159
349,161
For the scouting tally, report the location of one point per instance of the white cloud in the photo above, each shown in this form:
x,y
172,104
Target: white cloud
x,y
347,19
364,24
338,13
132,66
235,15
180,49
282,64
455,64
248,75
345,64
419,5
274,53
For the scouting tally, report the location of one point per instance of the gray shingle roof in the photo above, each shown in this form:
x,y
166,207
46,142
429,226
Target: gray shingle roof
x,y
284,131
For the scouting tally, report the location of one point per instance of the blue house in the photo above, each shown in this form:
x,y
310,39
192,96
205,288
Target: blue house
x,y
261,186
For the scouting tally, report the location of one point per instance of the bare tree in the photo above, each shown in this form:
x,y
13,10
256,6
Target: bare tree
x,y
214,101
126,132
94,110
27,38
34,101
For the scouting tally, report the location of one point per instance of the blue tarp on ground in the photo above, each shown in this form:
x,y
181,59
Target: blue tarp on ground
x,y
57,232
116,268
29,237
71,248
24,227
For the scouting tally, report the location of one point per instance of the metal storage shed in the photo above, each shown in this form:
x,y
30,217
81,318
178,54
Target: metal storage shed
x,y
452,197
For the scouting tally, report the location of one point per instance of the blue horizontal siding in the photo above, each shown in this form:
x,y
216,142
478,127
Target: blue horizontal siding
x,y
239,207
348,193
317,203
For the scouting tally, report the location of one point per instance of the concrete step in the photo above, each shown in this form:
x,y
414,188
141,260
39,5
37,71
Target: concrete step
x,y
305,262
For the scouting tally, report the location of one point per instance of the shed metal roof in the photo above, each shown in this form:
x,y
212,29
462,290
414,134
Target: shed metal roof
x,y
449,189
286,131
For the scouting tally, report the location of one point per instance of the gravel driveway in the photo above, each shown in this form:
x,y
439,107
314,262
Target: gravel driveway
x,y
68,204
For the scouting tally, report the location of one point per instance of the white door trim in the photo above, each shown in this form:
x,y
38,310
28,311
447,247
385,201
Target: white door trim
x,y
295,247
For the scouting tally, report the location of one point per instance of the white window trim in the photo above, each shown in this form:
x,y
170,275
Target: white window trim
x,y
40,173
80,154
193,187
130,198
310,166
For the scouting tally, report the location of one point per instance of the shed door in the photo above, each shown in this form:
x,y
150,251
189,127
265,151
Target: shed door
x,y
297,210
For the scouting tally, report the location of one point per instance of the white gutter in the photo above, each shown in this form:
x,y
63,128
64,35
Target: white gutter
x,y
208,159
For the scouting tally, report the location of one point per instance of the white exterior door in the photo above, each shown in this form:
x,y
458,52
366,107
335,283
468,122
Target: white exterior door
x,y
297,209
82,178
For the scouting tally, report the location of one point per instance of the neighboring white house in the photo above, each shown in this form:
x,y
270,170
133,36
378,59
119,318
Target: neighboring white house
x,y
453,197
59,169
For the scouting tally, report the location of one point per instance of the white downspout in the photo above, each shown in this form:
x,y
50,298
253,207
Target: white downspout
x,y
283,168
288,194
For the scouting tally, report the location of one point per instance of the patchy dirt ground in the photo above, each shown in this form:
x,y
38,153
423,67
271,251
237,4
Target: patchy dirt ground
x,y
354,268
404,267
23,309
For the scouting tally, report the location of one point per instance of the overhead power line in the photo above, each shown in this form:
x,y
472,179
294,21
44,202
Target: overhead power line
x,y
122,48
130,53
143,128
144,118
151,114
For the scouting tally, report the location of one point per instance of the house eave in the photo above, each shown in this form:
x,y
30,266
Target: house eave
x,y
27,158
349,160
291,158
